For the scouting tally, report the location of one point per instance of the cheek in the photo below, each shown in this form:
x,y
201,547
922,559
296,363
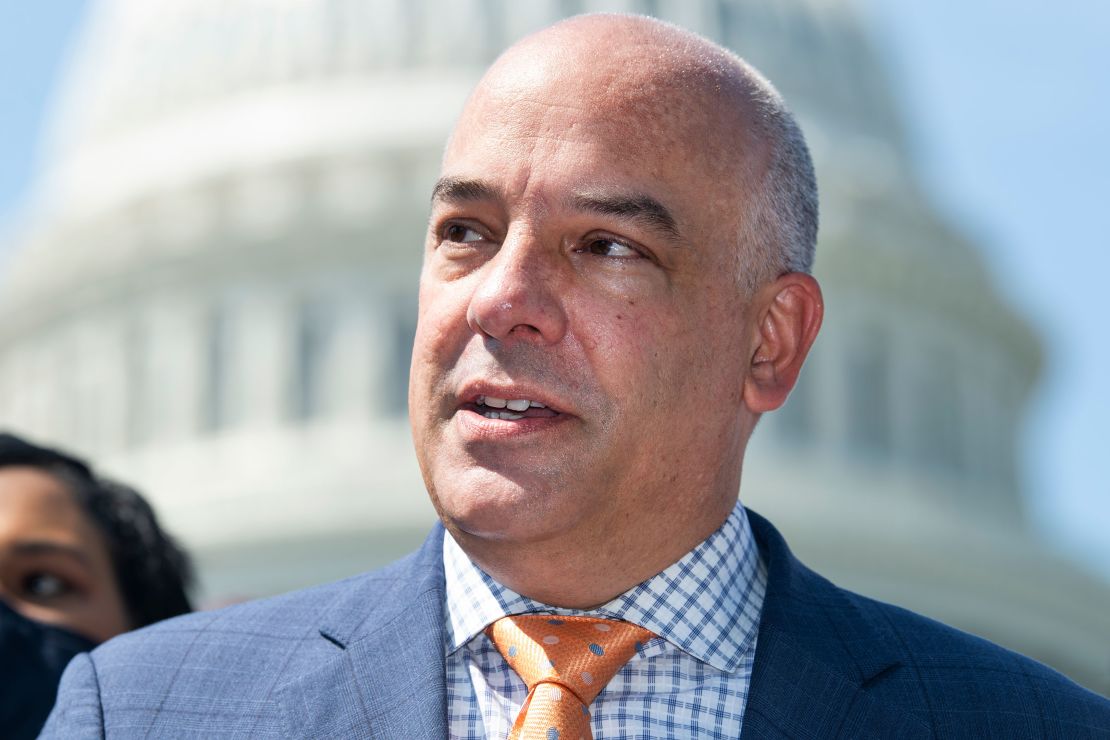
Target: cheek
x,y
425,376
631,350
441,337
101,617
663,360
97,613
440,330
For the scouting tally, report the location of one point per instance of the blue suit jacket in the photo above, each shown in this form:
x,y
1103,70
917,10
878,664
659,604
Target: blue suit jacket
x,y
363,658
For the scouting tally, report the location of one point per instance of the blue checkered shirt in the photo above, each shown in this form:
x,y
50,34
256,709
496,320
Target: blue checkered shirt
x,y
690,682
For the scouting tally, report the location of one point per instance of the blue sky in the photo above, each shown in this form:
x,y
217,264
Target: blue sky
x,y
33,40
1008,107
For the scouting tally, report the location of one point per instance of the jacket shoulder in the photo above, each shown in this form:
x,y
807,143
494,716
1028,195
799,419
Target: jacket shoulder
x,y
901,665
966,682
252,629
218,672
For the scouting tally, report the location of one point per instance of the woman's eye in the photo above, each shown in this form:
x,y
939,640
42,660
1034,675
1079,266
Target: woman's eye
x,y
610,248
461,234
44,586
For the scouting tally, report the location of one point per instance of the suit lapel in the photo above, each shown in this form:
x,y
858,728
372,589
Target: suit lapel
x,y
384,675
795,695
387,679
815,656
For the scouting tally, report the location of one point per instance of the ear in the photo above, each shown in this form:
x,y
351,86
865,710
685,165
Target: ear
x,y
790,312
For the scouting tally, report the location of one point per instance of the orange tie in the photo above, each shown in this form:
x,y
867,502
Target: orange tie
x,y
566,662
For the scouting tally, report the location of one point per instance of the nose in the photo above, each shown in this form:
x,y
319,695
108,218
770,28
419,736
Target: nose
x,y
517,297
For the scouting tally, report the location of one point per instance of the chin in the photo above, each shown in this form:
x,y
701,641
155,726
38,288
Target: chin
x,y
485,505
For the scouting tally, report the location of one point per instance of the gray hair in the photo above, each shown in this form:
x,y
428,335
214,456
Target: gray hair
x,y
782,216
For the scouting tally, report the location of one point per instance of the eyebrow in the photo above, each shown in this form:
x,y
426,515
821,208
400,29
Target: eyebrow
x,y
45,547
636,207
462,189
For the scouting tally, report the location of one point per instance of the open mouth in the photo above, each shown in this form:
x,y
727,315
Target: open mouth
x,y
510,409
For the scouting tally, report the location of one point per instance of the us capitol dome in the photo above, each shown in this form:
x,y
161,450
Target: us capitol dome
x,y
214,298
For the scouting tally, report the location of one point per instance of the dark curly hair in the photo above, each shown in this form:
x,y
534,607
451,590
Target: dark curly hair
x,y
154,573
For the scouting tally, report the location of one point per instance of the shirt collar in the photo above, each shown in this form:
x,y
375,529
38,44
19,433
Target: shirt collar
x,y
707,604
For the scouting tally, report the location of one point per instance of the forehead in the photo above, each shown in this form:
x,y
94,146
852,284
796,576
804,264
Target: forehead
x,y
559,173
565,106
33,501
554,123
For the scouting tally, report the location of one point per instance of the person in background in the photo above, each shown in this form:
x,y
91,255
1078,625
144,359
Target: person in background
x,y
82,559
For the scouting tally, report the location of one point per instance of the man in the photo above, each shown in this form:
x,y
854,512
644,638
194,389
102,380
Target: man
x,y
615,288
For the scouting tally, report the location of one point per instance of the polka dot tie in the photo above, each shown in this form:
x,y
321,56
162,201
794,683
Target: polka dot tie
x,y
566,662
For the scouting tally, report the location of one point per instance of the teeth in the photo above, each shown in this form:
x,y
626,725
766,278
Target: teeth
x,y
516,404
503,415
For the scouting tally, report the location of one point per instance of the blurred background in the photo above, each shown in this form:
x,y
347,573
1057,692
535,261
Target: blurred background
x,y
211,221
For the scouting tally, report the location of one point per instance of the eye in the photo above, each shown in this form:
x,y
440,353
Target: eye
x,y
45,586
603,247
461,234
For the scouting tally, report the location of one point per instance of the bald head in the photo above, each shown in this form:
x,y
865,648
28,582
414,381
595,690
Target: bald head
x,y
657,86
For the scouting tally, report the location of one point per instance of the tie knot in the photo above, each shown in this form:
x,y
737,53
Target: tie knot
x,y
581,654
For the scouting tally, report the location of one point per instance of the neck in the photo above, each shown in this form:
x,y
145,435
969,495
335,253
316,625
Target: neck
x,y
593,568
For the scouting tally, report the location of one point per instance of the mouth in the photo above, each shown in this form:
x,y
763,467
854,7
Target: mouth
x,y
489,412
511,426
509,409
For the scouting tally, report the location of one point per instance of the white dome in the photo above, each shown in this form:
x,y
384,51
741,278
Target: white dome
x,y
160,93
200,139
217,297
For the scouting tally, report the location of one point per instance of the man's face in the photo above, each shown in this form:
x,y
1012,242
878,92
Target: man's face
x,y
582,256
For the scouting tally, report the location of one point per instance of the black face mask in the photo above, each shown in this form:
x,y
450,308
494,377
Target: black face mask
x,y
32,658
